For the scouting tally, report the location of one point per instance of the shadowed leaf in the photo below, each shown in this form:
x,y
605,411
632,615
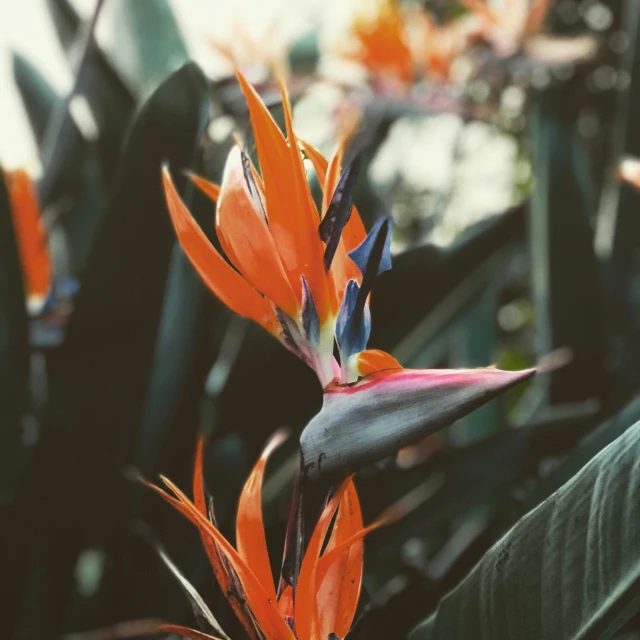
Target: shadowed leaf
x,y
569,569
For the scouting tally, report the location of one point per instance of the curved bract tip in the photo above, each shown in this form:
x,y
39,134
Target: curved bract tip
x,y
364,422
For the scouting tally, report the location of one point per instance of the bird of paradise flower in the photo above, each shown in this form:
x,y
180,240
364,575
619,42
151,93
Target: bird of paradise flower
x,y
322,601
306,276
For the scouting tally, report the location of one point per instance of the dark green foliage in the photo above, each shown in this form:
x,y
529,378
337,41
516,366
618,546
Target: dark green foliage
x,y
14,358
105,360
128,381
566,292
568,569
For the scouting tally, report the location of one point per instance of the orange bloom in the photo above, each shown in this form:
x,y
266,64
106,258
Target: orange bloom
x,y
288,265
396,47
31,237
306,276
325,596
382,43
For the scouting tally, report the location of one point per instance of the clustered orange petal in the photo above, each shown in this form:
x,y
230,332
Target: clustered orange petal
x,y
267,224
218,275
382,42
325,597
398,46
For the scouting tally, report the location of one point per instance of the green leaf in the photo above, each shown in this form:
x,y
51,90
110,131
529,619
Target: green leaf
x,y
39,99
567,295
14,353
428,287
618,223
66,21
110,100
304,53
99,376
606,433
567,570
80,180
463,478
144,43
15,453
185,346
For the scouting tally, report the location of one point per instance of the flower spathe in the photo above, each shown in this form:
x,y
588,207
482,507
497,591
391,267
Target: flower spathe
x,y
323,600
389,408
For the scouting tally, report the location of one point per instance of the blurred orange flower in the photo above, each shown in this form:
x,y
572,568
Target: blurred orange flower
x,y
31,236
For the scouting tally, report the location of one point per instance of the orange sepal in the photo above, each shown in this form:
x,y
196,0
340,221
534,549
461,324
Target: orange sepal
x,y
263,608
250,535
201,504
383,42
209,189
30,234
306,605
338,585
307,218
334,554
253,250
210,545
232,289
372,360
276,170
285,602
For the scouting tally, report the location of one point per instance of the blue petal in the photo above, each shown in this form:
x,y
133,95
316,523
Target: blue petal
x,y
310,320
251,184
339,211
353,324
375,250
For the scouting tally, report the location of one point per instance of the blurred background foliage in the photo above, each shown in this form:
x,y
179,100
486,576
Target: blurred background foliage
x,y
513,239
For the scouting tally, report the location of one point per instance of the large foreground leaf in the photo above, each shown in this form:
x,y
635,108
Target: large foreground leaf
x,y
570,569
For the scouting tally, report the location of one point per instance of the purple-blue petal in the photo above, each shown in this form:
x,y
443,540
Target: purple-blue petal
x,y
310,320
339,211
374,254
353,324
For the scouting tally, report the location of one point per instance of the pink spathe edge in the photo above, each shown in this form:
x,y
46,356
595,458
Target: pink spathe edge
x,y
362,423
